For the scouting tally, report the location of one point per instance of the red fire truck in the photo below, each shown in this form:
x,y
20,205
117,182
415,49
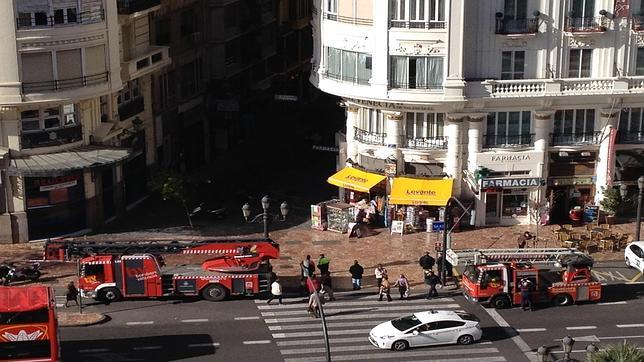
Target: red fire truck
x,y
491,276
28,325
241,267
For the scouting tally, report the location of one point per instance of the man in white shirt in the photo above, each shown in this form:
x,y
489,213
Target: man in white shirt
x,y
276,291
380,272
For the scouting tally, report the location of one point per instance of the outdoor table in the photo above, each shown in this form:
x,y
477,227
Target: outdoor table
x,y
607,244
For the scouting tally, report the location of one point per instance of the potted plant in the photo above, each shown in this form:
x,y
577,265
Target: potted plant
x,y
611,203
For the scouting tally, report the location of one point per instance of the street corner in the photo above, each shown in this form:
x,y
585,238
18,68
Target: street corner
x,y
75,319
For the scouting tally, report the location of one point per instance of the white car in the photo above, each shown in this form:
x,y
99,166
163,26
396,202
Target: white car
x,y
425,329
634,255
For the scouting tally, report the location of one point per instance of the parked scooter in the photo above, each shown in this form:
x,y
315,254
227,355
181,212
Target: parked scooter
x,y
204,211
32,273
4,271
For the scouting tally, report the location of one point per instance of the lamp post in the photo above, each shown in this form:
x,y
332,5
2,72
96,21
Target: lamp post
x,y
640,186
567,342
312,288
542,354
264,216
591,349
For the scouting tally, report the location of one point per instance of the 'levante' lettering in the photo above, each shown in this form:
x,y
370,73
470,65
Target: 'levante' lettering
x,y
357,179
421,192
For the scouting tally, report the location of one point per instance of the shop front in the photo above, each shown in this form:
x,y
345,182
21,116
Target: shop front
x,y
416,200
571,185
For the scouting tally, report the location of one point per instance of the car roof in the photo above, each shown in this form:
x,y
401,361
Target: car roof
x,y
638,243
433,315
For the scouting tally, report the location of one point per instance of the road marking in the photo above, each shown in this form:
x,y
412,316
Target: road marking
x,y
612,303
93,350
329,325
583,339
622,337
214,344
637,325
580,327
329,311
146,348
320,333
362,303
60,305
524,330
367,347
246,318
523,346
636,277
265,341
194,320
139,323
406,354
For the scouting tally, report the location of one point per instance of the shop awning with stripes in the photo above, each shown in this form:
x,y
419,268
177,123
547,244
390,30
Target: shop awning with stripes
x,y
418,191
354,179
59,163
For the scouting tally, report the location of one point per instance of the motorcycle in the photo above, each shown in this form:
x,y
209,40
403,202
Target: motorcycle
x,y
4,271
31,273
207,212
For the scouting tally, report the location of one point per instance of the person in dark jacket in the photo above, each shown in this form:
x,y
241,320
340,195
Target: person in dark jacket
x,y
526,286
72,294
356,271
432,280
426,261
323,264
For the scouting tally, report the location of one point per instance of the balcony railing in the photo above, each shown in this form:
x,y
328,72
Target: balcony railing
x,y
586,25
415,85
638,23
630,137
415,24
344,78
85,17
61,84
348,19
517,26
131,108
427,143
55,137
371,138
571,139
508,141
127,7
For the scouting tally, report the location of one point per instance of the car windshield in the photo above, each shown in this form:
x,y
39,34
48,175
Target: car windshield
x,y
468,317
404,323
472,273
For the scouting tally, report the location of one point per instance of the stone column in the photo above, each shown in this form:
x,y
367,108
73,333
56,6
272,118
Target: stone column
x,y
453,162
352,121
454,84
17,205
604,169
119,191
393,137
474,147
380,57
92,211
542,123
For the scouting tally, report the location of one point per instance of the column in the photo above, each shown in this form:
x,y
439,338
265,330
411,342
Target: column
x,y
20,230
10,75
92,210
119,191
542,122
380,57
453,162
474,147
606,158
454,84
393,137
352,121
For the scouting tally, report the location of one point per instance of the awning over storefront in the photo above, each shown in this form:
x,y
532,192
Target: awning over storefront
x,y
354,179
55,164
418,191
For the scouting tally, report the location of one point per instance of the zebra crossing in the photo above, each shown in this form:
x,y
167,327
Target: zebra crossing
x,y
349,319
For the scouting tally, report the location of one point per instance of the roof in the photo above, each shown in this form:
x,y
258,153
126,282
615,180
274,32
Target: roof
x,y
59,163
431,315
15,299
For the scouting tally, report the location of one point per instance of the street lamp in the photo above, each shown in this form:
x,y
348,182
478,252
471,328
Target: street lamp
x,y
264,216
623,191
542,354
591,349
567,342
640,186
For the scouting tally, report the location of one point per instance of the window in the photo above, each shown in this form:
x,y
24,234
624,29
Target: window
x,y
416,72
424,125
630,121
404,323
230,15
575,122
417,13
583,8
579,66
515,9
168,89
104,109
508,128
49,118
639,61
188,23
515,205
450,324
163,31
348,66
332,6
65,16
371,120
512,64
130,91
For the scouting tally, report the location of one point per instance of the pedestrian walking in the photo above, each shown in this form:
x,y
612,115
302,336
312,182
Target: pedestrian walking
x,y
314,306
323,264
522,240
526,286
71,294
327,287
380,273
276,291
403,286
426,261
308,267
356,271
431,280
385,289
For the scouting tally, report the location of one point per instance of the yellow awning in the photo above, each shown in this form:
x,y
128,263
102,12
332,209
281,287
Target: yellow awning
x,y
413,191
354,179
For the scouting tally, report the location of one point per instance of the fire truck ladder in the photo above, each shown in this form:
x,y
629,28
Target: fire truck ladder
x,y
486,256
80,248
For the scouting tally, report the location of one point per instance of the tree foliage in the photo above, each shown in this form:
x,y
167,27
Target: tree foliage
x,y
622,352
172,187
612,200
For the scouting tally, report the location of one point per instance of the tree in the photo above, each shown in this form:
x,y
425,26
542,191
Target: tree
x,y
537,210
622,352
172,187
612,200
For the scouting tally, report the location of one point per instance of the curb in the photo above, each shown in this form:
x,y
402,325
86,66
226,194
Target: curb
x,y
104,319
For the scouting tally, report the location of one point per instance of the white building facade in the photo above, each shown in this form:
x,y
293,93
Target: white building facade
x,y
521,102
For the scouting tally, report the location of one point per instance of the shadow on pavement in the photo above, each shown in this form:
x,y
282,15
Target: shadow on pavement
x,y
498,333
155,348
621,292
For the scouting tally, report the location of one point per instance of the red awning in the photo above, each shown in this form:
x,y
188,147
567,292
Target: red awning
x,y
14,299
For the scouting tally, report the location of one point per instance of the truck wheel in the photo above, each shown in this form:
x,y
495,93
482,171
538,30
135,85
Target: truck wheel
x,y
500,302
214,293
109,295
562,300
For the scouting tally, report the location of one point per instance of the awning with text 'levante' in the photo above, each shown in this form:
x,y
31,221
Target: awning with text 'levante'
x,y
418,191
354,179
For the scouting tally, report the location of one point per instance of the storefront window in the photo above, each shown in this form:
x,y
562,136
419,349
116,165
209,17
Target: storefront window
x,y
371,120
48,118
424,125
515,205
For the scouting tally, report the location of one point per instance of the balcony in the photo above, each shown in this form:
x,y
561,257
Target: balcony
x,y
371,138
344,78
517,26
55,137
630,137
348,19
154,58
414,24
393,84
638,23
508,141
555,87
586,25
131,108
60,19
63,84
427,143
575,139
129,7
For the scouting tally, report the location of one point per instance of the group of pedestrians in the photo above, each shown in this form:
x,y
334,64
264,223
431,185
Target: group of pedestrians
x,y
316,288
